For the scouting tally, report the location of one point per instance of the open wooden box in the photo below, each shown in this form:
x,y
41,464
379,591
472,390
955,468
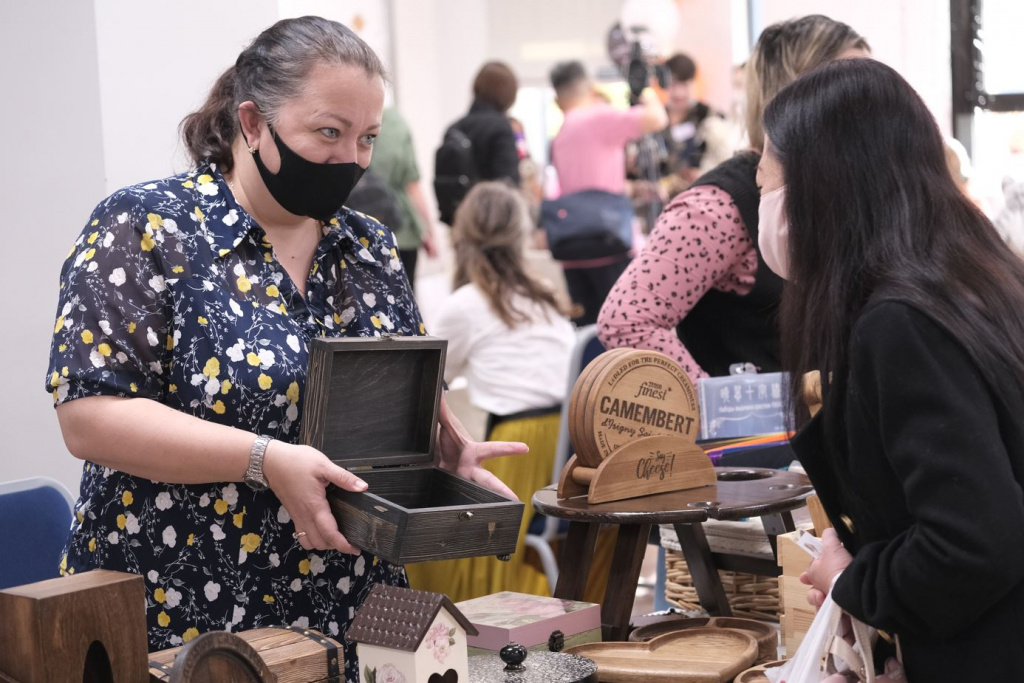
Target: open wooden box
x,y
375,404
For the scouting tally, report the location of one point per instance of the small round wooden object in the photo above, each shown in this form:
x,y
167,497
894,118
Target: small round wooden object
x,y
538,667
578,434
220,656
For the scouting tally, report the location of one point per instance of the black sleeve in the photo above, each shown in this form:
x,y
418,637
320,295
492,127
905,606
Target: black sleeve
x,y
504,155
937,421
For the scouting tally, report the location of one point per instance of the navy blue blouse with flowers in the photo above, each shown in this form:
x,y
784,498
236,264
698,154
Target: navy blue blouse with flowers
x,y
172,293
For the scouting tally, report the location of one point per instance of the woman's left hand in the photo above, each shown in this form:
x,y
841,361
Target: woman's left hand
x,y
461,455
820,574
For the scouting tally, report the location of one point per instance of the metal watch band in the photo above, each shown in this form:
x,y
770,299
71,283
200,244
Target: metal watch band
x,y
254,476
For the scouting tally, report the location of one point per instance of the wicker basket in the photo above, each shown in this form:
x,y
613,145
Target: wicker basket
x,y
750,596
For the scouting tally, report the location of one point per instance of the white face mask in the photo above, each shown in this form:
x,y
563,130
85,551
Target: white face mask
x,y
773,232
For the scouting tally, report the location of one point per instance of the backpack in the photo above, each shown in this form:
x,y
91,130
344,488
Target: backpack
x,y
372,196
454,172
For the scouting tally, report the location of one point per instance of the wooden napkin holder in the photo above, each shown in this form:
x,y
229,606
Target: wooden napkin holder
x,y
373,405
633,423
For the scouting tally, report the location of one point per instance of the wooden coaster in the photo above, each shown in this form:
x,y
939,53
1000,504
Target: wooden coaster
x,y
693,656
640,394
581,438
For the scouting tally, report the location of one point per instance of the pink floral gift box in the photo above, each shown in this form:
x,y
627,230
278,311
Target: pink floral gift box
x,y
535,622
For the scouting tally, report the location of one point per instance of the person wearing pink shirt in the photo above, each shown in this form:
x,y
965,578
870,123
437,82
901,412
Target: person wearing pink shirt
x,y
699,290
589,153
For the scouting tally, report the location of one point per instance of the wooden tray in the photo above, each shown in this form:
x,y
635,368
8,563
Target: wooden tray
x,y
376,403
699,655
756,675
766,635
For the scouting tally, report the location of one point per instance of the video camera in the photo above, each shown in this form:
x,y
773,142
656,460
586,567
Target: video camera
x,y
642,65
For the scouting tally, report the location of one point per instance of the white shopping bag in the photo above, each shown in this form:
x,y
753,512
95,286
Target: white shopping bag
x,y
824,651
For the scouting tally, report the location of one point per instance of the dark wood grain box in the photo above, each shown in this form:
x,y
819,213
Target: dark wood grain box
x,y
375,404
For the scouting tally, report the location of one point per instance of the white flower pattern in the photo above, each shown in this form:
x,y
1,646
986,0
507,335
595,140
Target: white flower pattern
x,y
165,296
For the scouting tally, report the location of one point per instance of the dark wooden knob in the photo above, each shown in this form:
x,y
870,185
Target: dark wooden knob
x,y
513,655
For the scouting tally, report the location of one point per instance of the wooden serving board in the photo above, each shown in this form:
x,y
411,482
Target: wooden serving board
x,y
640,394
766,635
700,655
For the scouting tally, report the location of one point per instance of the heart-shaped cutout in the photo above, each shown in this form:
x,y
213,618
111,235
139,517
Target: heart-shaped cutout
x,y
699,655
766,635
450,676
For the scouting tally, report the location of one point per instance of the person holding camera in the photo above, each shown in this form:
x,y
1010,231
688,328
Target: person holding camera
x,y
589,155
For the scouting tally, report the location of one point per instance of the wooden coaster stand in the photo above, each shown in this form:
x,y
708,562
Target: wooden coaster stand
x,y
633,421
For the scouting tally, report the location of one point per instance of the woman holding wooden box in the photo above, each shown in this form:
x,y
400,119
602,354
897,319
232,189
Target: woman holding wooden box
x,y
180,349
901,293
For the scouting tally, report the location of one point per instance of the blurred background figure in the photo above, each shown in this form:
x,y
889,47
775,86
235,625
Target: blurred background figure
x,y
511,339
588,153
391,192
481,145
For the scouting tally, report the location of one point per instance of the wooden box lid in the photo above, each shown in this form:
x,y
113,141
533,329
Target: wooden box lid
x,y
293,654
374,401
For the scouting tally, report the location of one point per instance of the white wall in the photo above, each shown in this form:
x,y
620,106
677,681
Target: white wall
x,y
51,178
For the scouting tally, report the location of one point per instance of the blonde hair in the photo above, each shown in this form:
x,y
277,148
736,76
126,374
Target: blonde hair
x,y
489,234
785,51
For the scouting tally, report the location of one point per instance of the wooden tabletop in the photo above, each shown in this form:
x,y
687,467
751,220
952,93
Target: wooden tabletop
x,y
741,492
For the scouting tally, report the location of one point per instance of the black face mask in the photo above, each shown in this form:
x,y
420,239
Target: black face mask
x,y
307,188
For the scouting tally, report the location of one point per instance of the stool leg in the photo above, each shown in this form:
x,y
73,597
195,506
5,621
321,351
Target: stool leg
x,y
694,545
575,562
622,579
775,524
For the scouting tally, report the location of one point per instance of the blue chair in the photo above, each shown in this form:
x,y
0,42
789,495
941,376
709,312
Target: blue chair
x,y
35,516
543,529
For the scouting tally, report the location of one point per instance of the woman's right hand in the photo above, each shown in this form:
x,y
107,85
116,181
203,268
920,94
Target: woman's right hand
x,y
299,476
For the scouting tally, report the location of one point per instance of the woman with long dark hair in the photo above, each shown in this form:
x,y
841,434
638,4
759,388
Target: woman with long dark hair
x,y
901,294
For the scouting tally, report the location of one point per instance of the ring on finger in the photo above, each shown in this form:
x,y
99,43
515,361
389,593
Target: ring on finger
x,y
298,534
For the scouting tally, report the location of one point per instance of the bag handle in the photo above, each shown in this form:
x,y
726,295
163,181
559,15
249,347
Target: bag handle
x,y
858,659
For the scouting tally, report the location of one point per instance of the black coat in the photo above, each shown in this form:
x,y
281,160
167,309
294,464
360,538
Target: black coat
x,y
929,477
494,142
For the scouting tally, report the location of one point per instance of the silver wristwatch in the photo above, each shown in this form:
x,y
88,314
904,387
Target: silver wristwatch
x,y
254,477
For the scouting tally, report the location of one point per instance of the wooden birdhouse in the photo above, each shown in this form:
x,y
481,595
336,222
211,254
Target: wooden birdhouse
x,y
410,636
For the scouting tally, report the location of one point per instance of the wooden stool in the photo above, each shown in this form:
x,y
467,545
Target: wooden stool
x,y
87,627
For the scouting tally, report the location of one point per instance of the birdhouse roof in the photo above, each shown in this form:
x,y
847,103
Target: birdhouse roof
x,y
399,618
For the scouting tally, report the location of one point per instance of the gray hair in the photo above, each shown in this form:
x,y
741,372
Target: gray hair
x,y
271,71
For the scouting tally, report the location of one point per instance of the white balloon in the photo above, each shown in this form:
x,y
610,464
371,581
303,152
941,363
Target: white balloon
x,y
659,18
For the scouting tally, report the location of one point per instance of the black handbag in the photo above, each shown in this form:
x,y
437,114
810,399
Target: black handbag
x,y
587,225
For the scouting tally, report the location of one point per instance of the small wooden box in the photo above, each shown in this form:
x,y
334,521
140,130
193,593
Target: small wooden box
x,y
533,621
376,403
293,654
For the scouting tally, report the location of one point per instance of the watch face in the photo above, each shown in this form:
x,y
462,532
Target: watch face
x,y
255,484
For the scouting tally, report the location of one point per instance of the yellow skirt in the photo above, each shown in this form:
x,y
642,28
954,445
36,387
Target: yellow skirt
x,y
524,474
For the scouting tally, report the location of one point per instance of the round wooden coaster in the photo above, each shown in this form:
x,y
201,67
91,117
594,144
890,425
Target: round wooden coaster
x,y
586,451
640,394
576,400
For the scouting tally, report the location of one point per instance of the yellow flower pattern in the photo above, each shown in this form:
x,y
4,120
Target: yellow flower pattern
x,y
172,293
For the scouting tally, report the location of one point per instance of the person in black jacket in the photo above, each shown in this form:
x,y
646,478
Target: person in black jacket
x,y
487,125
904,298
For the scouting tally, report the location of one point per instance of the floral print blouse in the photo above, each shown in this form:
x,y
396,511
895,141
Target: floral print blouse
x,y
172,293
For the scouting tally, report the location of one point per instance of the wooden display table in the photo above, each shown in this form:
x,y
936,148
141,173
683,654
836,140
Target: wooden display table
x,y
740,492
